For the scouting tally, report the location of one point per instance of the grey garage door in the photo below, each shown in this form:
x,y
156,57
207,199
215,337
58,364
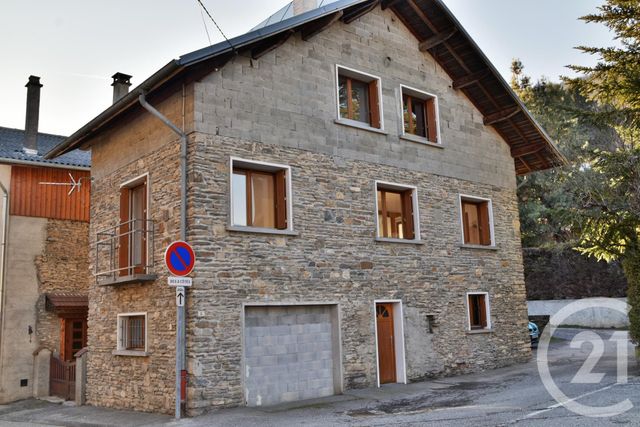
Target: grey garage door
x,y
291,353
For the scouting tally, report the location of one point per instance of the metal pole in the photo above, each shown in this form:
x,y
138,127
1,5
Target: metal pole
x,y
180,311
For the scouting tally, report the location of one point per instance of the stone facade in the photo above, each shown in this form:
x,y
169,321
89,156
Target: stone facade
x,y
62,268
282,109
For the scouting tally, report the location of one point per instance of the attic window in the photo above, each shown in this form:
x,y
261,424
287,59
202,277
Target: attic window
x,y
359,98
420,115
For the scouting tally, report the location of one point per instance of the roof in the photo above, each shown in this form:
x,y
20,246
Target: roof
x,y
11,143
432,23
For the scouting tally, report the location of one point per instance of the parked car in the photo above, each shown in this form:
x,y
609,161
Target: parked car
x,y
534,333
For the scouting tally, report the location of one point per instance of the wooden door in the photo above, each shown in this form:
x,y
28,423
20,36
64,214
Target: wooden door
x,y
74,337
386,343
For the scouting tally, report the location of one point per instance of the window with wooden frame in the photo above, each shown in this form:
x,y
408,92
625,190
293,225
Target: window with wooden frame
x,y
478,307
260,195
397,214
132,249
359,97
132,332
420,114
476,217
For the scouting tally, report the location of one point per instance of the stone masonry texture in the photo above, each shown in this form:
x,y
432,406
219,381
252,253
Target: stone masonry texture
x,y
281,109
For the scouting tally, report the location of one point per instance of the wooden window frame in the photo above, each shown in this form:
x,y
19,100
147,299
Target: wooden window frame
x,y
236,163
121,346
487,312
474,199
398,188
376,116
124,256
430,111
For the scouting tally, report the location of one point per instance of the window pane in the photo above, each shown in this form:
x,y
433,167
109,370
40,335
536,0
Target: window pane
x,y
471,225
135,335
239,199
390,218
418,117
360,100
263,200
342,97
137,218
405,114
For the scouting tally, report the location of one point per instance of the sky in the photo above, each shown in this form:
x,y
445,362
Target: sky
x,y
76,45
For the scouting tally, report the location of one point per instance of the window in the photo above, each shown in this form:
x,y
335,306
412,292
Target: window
x,y
133,227
477,219
132,332
420,114
260,195
478,306
397,215
359,97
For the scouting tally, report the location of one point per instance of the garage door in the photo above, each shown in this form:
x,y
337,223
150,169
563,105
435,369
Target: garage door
x,y
291,353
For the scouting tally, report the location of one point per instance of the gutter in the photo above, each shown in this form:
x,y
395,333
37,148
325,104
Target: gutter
x,y
180,329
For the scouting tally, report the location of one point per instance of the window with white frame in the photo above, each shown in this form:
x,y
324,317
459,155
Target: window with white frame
x,y
476,216
359,97
397,211
132,332
420,114
260,195
478,311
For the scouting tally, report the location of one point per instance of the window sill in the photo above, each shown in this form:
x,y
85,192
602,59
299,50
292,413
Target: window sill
x,y
420,140
124,280
132,353
359,125
482,247
402,241
479,331
261,230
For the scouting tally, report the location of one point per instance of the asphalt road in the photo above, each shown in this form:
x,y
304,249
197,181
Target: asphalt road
x,y
509,396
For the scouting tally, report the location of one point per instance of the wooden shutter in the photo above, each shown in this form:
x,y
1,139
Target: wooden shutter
x,y
484,223
482,307
123,249
432,120
281,199
374,104
465,222
407,214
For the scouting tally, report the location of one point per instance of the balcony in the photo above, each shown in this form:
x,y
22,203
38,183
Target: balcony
x,y
124,253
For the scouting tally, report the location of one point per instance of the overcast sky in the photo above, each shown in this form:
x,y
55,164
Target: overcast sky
x,y
76,45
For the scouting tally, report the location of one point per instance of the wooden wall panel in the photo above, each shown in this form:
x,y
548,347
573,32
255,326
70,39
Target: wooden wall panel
x,y
31,196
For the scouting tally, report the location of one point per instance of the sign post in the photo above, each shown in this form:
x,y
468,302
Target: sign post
x,y
180,259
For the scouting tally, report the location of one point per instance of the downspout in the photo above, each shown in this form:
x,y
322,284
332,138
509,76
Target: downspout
x,y
3,262
180,329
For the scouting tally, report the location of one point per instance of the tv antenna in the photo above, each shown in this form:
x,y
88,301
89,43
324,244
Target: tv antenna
x,y
75,185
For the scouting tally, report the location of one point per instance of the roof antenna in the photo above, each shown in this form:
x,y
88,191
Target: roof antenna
x,y
217,26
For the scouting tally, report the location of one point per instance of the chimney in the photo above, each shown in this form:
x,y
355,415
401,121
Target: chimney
x,y
121,83
302,6
33,111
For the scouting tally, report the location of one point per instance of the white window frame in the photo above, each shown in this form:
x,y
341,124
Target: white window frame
x,y
423,95
466,197
487,309
360,75
120,347
416,213
264,166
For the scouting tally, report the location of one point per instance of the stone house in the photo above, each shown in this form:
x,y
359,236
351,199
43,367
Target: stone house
x,y
350,185
44,266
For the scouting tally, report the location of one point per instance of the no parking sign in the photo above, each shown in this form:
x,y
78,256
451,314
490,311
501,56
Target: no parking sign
x,y
179,258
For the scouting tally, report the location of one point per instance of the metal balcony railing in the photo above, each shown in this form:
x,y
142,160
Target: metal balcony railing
x,y
124,252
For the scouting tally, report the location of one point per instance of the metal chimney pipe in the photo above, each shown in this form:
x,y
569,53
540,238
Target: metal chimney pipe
x,y
121,83
33,112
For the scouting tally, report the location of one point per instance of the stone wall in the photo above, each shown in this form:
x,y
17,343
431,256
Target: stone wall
x,y
63,267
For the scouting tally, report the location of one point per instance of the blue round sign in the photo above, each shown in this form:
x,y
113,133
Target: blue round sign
x,y
180,258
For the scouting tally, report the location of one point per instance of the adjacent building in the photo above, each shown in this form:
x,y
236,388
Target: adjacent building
x,y
351,199
44,265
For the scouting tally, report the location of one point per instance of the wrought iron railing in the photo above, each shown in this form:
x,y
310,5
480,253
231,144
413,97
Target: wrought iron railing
x,y
125,250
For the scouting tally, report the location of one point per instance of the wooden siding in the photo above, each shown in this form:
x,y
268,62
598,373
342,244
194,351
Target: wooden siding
x,y
30,197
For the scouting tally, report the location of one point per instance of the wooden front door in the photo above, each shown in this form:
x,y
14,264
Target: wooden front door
x,y
74,337
386,343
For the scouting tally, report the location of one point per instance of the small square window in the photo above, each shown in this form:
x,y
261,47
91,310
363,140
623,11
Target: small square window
x,y
420,114
259,194
132,332
478,307
359,97
396,212
476,217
